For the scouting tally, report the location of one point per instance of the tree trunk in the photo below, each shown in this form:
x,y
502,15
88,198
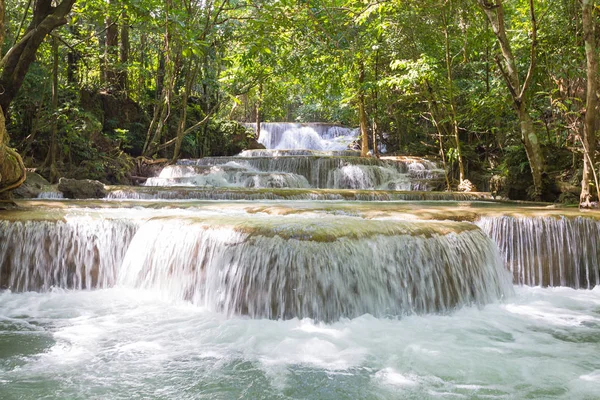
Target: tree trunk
x,y
73,57
142,73
124,49
495,14
589,128
12,170
362,115
165,81
50,162
189,80
461,168
533,150
17,60
110,53
376,105
258,107
433,111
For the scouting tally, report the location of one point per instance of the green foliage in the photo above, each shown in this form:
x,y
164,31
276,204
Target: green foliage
x,y
301,61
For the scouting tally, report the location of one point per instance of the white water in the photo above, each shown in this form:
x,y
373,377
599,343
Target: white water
x,y
320,137
228,174
273,267
302,171
548,251
176,326
302,156
129,344
80,253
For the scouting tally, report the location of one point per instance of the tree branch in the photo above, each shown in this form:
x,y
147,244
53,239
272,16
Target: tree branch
x,y
529,76
511,89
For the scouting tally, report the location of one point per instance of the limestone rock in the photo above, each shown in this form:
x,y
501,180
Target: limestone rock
x,y
81,189
34,184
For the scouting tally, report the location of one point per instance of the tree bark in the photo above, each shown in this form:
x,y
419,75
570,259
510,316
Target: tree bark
x,y
494,12
362,115
124,50
189,80
17,60
50,162
12,169
111,45
433,111
461,168
591,109
258,107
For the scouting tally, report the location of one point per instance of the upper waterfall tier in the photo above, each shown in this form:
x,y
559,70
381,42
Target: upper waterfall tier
x,y
266,267
306,171
311,136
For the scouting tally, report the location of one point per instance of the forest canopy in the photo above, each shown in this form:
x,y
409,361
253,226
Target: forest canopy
x,y
502,93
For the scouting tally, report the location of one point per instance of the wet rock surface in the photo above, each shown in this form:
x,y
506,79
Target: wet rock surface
x,y
81,189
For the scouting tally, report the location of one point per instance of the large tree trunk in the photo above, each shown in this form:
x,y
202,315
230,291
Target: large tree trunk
x,y
589,128
12,170
17,60
15,64
494,12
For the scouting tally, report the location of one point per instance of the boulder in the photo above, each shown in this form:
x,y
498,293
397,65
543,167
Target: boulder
x,y
466,186
34,184
253,144
81,188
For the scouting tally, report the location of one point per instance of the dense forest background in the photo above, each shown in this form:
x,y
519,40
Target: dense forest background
x,y
503,94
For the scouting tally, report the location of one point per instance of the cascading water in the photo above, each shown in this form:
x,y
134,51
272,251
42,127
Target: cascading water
x,y
78,253
276,299
548,251
325,269
306,171
303,156
314,136
176,283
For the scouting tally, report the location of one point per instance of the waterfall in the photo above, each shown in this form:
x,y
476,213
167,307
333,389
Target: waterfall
x,y
298,152
267,267
319,269
50,195
548,251
303,171
313,136
229,174
78,253
233,193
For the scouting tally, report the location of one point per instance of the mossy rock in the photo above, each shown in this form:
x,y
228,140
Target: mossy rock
x,y
81,189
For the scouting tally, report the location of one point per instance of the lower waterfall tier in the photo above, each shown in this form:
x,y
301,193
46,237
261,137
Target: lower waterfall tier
x,y
548,251
78,253
326,269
